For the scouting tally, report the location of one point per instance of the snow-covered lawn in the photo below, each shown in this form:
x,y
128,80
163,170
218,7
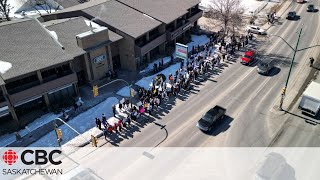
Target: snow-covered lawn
x,y
19,6
195,41
249,5
149,68
146,82
9,138
84,123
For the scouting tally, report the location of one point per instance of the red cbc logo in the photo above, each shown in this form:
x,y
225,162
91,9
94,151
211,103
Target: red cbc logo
x,y
10,157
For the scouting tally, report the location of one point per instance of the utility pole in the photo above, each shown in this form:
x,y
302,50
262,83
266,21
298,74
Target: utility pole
x,y
295,50
287,81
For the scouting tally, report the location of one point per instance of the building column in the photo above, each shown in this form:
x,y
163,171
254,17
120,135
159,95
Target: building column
x,y
88,67
76,88
175,24
75,85
147,36
195,24
45,96
10,105
162,48
148,56
110,62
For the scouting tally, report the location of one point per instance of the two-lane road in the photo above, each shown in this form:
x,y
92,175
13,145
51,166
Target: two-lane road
x,y
248,97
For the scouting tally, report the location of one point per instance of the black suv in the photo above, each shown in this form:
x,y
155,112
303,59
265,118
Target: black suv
x,y
311,8
291,15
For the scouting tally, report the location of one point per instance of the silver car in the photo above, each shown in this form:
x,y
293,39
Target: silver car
x,y
256,30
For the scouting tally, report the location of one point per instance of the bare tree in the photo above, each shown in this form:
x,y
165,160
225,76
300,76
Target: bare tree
x,y
5,9
226,11
46,5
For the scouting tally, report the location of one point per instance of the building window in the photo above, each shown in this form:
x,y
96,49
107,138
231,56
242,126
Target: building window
x,y
62,98
31,106
56,72
22,84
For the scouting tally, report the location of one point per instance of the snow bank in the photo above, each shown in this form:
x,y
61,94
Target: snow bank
x,y
93,24
197,40
4,67
10,138
125,92
249,5
146,82
149,68
83,123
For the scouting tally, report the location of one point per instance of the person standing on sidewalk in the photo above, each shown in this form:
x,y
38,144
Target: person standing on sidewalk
x,y
311,61
114,110
120,125
105,133
98,123
115,127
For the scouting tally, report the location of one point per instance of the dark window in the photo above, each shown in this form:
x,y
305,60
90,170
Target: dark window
x,y
56,72
22,84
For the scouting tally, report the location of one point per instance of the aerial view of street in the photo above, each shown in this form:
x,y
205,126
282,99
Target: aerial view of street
x,y
160,89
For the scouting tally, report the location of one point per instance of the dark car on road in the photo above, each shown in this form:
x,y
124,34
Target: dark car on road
x,y
291,15
264,67
311,8
209,119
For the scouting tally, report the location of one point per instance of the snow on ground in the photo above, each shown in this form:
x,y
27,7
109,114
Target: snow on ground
x,y
146,82
83,123
4,67
195,41
19,6
149,68
9,138
249,5
125,92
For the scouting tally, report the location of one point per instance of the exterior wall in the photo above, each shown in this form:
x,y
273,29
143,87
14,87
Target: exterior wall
x,y
98,60
127,54
99,70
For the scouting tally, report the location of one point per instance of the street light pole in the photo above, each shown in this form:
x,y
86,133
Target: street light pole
x,y
287,81
295,50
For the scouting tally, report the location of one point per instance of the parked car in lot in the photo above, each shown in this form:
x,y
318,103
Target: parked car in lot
x,y
256,30
291,15
300,1
264,67
311,8
248,57
209,119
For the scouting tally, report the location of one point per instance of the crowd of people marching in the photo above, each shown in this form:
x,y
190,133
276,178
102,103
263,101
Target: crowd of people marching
x,y
202,58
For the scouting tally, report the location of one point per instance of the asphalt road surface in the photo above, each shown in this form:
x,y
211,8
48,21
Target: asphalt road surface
x,y
250,98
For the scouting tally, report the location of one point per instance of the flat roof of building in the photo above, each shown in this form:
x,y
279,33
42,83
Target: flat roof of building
x,y
66,32
70,3
165,11
68,29
121,17
28,47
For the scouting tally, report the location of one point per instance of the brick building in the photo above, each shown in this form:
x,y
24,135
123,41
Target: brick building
x,y
49,57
